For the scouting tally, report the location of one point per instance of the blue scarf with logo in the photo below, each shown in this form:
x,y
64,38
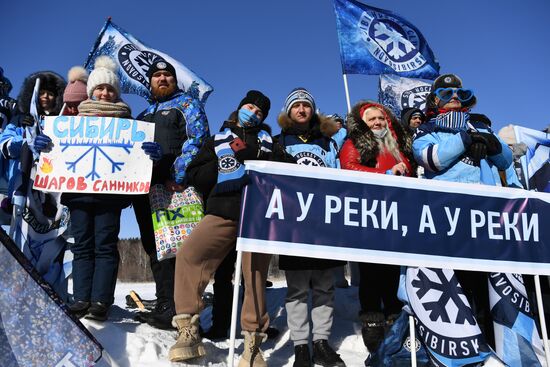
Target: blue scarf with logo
x,y
231,173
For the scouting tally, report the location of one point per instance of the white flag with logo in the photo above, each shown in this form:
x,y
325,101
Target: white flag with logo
x,y
134,59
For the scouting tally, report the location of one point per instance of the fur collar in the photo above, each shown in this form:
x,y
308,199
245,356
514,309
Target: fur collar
x,y
46,77
363,138
320,125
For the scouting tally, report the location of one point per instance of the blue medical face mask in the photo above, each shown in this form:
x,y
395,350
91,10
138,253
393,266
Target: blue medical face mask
x,y
248,118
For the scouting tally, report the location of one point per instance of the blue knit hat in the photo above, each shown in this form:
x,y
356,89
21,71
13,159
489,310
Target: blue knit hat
x,y
299,95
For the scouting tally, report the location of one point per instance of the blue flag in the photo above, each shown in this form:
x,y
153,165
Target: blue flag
x,y
377,41
36,329
398,93
517,340
134,59
536,161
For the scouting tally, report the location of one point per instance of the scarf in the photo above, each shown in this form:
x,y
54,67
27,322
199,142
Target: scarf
x,y
100,108
453,120
231,173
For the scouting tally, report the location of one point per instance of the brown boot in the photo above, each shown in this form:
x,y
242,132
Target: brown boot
x,y
252,355
189,343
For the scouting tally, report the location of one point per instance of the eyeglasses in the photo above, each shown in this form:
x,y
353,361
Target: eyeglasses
x,y
446,94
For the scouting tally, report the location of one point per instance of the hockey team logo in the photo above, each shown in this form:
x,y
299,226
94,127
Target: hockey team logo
x,y
228,164
415,97
407,344
511,288
445,321
391,41
136,62
309,159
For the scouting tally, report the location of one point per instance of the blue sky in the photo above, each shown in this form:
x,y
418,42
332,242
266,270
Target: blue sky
x,y
500,49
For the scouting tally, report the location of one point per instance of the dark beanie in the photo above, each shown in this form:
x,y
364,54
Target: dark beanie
x,y
447,81
258,99
161,64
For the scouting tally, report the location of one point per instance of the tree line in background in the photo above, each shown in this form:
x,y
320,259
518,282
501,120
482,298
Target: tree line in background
x,y
134,263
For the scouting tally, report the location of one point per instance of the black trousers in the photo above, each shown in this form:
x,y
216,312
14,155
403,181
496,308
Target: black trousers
x,y
378,285
163,271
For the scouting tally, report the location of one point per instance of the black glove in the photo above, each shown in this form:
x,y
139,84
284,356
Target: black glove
x,y
491,142
27,120
477,151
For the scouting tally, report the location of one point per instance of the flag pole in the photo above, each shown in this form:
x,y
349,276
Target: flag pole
x,y
413,340
347,92
542,319
234,308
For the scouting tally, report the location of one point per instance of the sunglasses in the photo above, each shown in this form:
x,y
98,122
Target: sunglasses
x,y
446,94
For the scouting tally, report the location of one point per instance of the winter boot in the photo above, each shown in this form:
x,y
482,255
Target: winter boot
x,y
373,329
325,356
189,344
252,355
79,308
98,311
301,356
161,317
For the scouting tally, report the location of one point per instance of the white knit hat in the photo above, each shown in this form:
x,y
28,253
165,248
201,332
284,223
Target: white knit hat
x,y
104,73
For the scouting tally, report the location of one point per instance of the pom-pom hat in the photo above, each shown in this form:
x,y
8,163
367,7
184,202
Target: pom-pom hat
x,y
104,72
76,89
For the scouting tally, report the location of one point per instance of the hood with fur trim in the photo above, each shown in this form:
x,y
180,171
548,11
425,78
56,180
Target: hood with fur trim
x,y
319,124
364,140
48,78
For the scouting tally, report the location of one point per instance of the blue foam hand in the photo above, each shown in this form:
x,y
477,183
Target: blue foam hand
x,y
152,149
41,142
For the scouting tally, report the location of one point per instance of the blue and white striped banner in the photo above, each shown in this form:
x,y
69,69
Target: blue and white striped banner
x,y
348,215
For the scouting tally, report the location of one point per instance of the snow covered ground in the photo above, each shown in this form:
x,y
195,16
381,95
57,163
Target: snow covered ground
x,y
129,343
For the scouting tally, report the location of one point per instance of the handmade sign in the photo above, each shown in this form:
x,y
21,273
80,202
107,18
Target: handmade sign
x,y
92,154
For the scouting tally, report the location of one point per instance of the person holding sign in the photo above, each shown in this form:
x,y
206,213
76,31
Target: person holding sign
x,y
378,144
181,127
95,218
311,139
219,173
459,146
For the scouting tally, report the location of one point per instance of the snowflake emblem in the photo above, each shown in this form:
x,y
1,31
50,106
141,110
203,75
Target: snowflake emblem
x,y
228,164
95,151
392,41
449,293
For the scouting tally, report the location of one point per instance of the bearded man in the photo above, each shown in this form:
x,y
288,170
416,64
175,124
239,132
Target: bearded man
x,y
181,127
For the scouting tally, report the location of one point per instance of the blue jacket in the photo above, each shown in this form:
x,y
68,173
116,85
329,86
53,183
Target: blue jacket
x,y
181,127
441,151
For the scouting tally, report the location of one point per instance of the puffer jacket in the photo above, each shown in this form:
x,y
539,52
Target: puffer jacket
x,y
181,127
442,151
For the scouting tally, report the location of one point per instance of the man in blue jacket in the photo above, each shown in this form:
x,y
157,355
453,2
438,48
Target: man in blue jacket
x,y
181,127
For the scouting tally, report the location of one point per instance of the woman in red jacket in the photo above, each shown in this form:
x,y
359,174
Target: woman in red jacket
x,y
377,143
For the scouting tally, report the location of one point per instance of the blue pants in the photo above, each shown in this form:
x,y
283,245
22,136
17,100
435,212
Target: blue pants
x,y
95,228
